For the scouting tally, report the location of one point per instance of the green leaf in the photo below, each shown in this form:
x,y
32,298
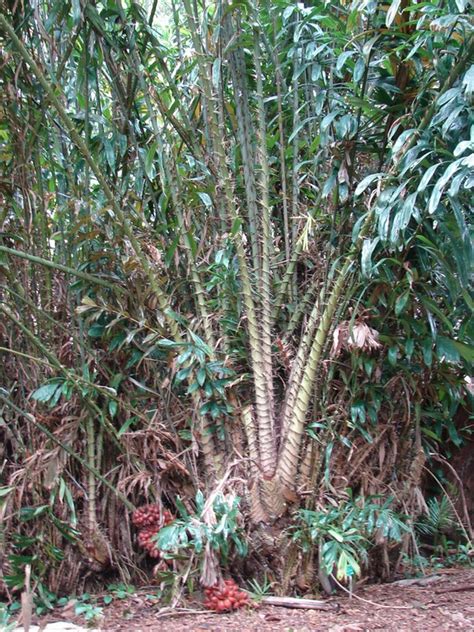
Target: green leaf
x,y
329,185
401,302
288,12
168,537
205,198
165,343
201,376
113,407
109,153
199,342
427,348
76,11
359,70
117,341
402,219
402,139
464,350
171,250
392,12
183,357
367,181
298,128
431,306
236,226
181,508
448,96
446,350
409,348
425,180
358,411
441,183
429,433
46,392
337,536
451,119
468,82
463,146
30,513
393,356
343,57
183,374
96,331
124,427
192,388
150,159
368,248
328,119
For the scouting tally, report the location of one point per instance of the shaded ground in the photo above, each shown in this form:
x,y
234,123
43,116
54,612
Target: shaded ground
x,y
445,603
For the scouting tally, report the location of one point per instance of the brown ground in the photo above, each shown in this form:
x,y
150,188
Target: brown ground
x,y
445,604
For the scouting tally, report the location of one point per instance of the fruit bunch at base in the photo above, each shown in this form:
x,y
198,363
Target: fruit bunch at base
x,y
226,597
145,541
150,519
146,516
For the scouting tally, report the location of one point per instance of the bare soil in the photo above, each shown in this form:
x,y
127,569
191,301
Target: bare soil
x,y
444,604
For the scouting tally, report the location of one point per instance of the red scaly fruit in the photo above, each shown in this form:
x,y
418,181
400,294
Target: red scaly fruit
x,y
146,515
225,597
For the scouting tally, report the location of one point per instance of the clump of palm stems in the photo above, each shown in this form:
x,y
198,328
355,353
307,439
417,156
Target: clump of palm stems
x,y
234,256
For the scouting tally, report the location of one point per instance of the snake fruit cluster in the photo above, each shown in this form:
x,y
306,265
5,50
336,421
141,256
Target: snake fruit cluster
x,y
149,519
226,597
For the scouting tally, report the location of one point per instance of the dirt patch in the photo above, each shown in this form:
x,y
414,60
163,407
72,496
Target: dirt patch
x,y
444,604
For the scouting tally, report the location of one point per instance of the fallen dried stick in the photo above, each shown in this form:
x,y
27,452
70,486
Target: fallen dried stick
x,y
417,581
455,589
293,602
372,603
176,612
